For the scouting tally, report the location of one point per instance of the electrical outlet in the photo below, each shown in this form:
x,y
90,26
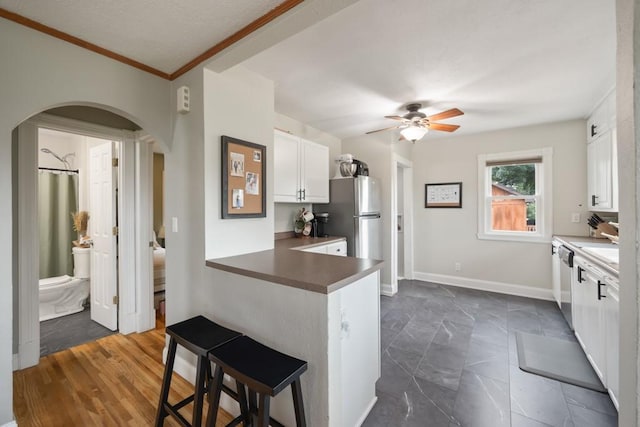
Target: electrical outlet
x,y
458,266
575,217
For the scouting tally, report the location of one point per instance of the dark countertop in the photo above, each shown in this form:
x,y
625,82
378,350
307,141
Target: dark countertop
x,y
573,243
303,270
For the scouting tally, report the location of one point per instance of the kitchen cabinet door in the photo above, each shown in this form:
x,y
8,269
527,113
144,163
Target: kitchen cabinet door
x,y
315,172
612,339
322,249
301,170
556,265
578,295
338,248
593,321
600,173
286,170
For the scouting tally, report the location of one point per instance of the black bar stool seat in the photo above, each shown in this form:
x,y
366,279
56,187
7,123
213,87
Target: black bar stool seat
x,y
265,372
199,335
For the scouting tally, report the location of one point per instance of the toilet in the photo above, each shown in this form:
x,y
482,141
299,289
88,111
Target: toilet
x,y
64,295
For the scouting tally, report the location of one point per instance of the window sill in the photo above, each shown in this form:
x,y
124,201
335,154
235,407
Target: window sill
x,y
513,238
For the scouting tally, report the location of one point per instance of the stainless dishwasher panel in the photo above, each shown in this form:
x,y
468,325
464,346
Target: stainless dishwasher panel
x,y
566,272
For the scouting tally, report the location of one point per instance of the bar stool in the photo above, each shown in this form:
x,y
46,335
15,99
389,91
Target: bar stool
x,y
265,372
199,335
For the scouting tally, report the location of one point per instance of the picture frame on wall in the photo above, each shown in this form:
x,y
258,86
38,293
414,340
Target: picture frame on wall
x,y
244,192
443,195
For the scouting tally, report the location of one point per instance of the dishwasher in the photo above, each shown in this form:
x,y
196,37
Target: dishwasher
x,y
566,271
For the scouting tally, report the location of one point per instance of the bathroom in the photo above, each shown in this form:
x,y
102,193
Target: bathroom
x,y
64,179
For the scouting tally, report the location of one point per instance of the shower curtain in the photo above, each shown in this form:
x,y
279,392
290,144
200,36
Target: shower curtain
x,y
57,200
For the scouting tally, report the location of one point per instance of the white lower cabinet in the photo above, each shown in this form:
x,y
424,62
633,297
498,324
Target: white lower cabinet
x,y
337,248
612,332
596,321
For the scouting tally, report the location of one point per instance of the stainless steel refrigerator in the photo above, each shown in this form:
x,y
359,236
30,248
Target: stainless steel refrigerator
x,y
354,212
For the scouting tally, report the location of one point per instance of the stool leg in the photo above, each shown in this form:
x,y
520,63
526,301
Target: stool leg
x,y
242,400
253,407
214,397
166,383
263,410
201,371
298,405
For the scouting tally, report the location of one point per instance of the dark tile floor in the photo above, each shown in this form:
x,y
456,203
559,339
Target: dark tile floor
x,y
68,331
449,359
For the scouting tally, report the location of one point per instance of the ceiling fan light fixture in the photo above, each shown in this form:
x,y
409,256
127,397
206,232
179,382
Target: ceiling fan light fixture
x,y
414,133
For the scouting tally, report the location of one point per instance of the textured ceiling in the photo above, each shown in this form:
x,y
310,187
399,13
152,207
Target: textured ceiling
x,y
162,34
505,63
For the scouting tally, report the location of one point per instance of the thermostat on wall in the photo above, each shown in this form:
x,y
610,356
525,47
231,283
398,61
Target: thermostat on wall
x,y
183,99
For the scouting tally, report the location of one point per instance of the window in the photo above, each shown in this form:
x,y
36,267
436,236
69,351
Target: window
x,y
514,194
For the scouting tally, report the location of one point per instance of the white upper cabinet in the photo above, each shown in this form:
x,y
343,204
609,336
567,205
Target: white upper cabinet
x,y
301,170
602,159
286,171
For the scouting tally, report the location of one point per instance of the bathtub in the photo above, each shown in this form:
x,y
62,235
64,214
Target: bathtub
x,y
62,295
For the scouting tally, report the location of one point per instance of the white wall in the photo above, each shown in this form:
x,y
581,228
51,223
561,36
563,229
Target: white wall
x,y
446,236
39,72
237,103
627,97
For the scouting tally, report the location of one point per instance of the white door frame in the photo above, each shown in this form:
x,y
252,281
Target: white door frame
x,y
399,162
133,315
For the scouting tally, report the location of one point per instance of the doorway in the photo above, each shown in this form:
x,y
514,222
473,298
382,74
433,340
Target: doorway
x,y
126,245
77,264
401,222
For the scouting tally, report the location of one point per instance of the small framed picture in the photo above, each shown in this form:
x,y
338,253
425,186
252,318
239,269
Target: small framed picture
x,y
257,156
443,195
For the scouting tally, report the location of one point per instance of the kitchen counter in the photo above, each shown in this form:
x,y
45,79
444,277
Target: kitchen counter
x,y
290,267
323,309
580,245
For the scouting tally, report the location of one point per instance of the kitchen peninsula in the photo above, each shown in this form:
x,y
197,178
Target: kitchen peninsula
x,y
324,309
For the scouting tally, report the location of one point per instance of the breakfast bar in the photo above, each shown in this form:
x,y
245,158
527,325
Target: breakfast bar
x,y
320,308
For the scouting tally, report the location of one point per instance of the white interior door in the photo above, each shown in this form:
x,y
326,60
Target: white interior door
x,y
102,220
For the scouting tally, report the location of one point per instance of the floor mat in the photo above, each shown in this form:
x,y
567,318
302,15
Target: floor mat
x,y
557,359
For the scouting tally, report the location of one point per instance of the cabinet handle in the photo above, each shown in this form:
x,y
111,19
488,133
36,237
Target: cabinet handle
x,y
593,200
299,195
594,132
304,194
580,278
600,285
553,249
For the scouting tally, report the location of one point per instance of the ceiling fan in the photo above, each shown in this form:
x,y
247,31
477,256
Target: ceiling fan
x,y
416,124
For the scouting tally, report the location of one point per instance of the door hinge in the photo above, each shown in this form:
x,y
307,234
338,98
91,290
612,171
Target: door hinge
x,y
116,300
114,231
114,162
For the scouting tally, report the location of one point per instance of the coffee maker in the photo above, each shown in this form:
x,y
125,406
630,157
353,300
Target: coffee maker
x,y
320,219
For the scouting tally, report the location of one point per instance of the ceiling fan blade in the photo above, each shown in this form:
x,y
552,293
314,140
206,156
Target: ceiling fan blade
x,y
402,119
446,114
443,127
380,130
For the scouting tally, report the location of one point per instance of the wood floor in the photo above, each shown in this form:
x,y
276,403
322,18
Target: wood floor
x,y
114,381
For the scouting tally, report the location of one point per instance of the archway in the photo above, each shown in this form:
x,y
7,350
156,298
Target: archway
x,y
134,292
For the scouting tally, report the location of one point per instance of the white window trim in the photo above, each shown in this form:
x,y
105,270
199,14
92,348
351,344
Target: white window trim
x,y
544,208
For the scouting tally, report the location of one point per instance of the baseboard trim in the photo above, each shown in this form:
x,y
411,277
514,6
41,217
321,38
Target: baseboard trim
x,y
387,290
10,424
16,362
367,410
486,285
